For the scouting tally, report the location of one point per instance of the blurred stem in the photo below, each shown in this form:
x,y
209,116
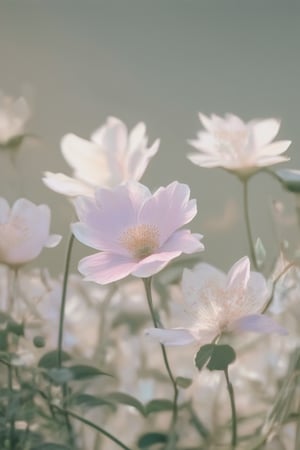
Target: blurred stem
x,y
63,301
233,410
64,388
147,284
247,221
93,425
12,420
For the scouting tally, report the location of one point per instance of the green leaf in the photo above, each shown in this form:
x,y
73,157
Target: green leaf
x,y
290,179
60,376
90,401
203,355
15,328
81,372
183,382
126,399
222,356
158,405
50,359
149,439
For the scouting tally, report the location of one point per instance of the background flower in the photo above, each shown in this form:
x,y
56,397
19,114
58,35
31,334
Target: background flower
x,y
14,113
137,232
241,147
24,231
216,303
111,157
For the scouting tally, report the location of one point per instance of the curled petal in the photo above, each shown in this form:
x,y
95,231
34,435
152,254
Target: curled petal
x,y
175,336
258,323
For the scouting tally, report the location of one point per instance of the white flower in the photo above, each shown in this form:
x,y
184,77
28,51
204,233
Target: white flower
x,y
14,113
217,303
24,231
111,157
237,146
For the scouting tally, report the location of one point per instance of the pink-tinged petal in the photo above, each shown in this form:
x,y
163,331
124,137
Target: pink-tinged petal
x,y
65,185
264,131
88,161
98,239
239,274
175,336
257,323
205,161
153,264
104,268
53,240
184,241
169,209
4,210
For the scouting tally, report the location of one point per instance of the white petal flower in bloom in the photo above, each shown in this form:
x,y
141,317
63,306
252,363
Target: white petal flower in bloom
x,y
14,113
216,303
24,231
111,157
237,146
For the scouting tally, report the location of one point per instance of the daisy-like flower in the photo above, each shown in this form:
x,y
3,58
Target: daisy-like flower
x,y
111,157
24,231
14,113
237,146
216,303
137,232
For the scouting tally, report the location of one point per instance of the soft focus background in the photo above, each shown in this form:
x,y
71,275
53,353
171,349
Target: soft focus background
x,y
160,61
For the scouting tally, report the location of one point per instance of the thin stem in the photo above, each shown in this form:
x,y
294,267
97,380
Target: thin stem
x,y
12,420
287,267
147,284
63,301
93,425
247,221
64,388
233,410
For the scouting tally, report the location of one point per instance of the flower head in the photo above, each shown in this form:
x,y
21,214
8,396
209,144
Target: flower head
x,y
14,113
111,157
216,303
136,232
237,146
24,231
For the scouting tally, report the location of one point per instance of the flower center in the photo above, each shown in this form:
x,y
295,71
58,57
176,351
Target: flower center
x,y
232,144
141,240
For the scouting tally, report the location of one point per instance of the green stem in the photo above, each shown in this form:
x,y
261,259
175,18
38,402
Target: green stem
x,y
64,388
247,221
12,420
93,425
63,301
233,410
147,284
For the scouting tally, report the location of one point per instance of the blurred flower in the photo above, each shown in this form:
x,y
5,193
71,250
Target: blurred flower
x,y
24,231
111,157
137,232
216,303
237,146
14,113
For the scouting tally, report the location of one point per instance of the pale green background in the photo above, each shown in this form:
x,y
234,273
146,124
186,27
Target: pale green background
x,y
160,61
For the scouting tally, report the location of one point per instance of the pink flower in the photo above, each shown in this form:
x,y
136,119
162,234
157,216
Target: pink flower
x,y
136,232
24,231
240,147
111,157
216,303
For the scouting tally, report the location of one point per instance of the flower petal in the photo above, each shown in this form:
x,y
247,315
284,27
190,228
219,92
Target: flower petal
x,y
183,241
104,268
239,274
175,336
264,131
53,240
258,323
177,209
65,185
